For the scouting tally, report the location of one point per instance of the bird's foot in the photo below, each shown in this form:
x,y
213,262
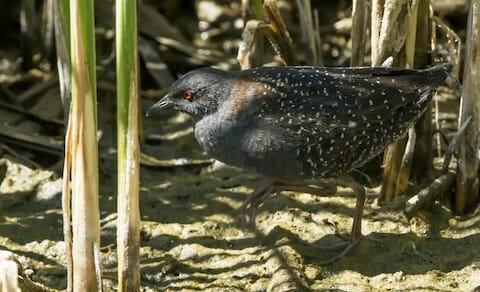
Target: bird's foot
x,y
347,247
346,241
250,205
356,234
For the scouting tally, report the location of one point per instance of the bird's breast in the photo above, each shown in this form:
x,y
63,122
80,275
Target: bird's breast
x,y
211,133
256,147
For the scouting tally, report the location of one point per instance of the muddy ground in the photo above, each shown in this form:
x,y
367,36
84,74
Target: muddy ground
x,y
193,236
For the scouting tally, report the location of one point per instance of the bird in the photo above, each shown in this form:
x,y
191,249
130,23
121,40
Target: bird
x,y
299,124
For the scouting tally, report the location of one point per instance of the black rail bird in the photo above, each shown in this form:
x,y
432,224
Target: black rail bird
x,y
296,124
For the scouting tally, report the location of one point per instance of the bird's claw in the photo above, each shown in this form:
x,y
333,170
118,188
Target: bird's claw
x,y
348,246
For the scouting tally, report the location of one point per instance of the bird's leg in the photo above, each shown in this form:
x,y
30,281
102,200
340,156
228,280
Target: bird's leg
x,y
253,200
356,233
250,205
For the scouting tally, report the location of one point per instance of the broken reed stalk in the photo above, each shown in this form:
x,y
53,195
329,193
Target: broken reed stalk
x,y
466,195
252,9
392,163
66,207
359,32
391,42
62,44
310,34
376,26
128,222
453,145
439,186
393,30
415,52
83,152
250,50
422,163
278,34
397,37
406,163
318,38
47,29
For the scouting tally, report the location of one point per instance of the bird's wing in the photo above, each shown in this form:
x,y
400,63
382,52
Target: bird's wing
x,y
325,100
338,118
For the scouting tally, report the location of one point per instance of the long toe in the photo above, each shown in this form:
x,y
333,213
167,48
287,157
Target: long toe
x,y
251,203
346,241
349,246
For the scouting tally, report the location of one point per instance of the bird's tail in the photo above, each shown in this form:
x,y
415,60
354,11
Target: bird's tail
x,y
437,74
434,77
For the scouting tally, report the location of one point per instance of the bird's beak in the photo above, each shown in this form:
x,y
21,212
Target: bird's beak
x,y
163,103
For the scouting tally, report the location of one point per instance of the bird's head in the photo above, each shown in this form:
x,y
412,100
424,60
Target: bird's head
x,y
197,93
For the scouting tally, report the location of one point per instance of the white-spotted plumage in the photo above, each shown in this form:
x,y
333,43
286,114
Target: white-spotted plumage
x,y
299,123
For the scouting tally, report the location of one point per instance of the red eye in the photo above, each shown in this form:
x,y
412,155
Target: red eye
x,y
188,95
